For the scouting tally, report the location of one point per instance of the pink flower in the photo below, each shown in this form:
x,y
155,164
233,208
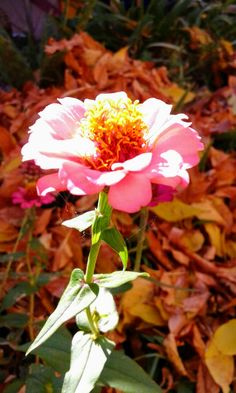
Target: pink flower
x,y
116,143
27,197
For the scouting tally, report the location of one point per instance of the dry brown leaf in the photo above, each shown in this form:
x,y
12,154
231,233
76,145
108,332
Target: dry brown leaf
x,y
173,355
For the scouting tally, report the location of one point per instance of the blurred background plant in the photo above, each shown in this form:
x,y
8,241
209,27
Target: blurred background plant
x,y
195,39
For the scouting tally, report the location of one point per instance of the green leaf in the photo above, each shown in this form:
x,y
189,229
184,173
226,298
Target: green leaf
x,y
123,373
114,239
88,357
42,380
225,141
12,256
76,298
55,351
19,290
14,319
14,69
81,222
14,386
186,387
116,279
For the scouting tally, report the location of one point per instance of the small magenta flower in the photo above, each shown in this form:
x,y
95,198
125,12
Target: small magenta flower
x,y
131,148
26,196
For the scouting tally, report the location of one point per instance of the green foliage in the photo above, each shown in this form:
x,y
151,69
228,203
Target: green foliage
x,y
14,69
76,298
55,352
116,279
114,239
225,141
123,373
42,379
13,320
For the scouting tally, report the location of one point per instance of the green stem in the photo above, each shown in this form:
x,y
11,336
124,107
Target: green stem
x,y
101,222
92,325
141,238
92,259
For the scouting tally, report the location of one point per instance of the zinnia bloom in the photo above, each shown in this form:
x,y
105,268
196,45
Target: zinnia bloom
x,y
127,147
27,197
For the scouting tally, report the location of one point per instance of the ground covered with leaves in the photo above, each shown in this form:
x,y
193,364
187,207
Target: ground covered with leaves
x,y
179,324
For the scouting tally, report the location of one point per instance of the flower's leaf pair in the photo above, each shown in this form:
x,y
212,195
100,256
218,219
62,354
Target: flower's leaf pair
x,y
100,221
88,357
76,298
94,362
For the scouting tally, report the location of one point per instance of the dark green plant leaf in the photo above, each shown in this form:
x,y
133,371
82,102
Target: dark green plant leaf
x,y
88,357
116,279
123,373
186,387
19,290
42,380
15,320
225,141
12,256
14,386
55,351
76,298
14,69
114,239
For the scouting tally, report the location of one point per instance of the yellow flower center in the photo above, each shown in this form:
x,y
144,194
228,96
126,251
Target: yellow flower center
x,y
117,130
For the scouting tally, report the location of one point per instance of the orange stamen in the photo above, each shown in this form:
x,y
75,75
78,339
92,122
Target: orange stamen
x,y
117,129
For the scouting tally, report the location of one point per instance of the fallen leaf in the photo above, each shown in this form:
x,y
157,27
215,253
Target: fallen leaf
x,y
173,354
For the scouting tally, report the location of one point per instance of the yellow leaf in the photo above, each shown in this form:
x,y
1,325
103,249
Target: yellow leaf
x,y
176,93
230,248
216,238
193,240
147,313
220,366
138,303
175,210
219,354
225,338
207,212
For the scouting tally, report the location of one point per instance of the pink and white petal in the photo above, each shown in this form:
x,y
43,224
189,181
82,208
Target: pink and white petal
x,y
185,141
78,179
155,114
49,183
74,106
131,193
135,164
168,169
60,119
50,153
110,178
